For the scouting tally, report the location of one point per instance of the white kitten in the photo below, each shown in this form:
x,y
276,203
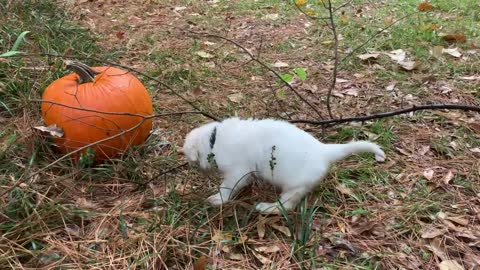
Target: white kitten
x,y
274,151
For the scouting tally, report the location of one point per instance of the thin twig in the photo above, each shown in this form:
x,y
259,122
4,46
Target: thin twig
x,y
254,58
331,122
375,35
115,113
335,64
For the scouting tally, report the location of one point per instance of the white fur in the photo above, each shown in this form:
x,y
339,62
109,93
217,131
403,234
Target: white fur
x,y
245,147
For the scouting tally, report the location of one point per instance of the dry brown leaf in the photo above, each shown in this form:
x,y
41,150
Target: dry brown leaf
x,y
391,86
53,130
388,20
204,54
437,51
450,265
448,177
280,64
428,173
363,227
344,19
455,38
236,256
120,34
261,227
424,6
453,52
197,91
367,56
435,246
281,229
351,91
84,203
200,263
237,97
432,232
409,65
264,260
268,249
397,55
219,236
430,27
345,190
458,220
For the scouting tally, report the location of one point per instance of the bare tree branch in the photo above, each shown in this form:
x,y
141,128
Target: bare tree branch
x,y
254,58
335,64
331,122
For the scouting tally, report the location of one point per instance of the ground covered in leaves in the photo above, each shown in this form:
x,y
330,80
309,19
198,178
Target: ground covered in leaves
x,y
418,210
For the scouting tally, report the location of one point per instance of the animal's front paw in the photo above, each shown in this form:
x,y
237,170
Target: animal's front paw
x,y
267,208
216,199
380,156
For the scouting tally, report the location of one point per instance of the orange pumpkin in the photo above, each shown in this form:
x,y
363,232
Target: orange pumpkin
x,y
101,89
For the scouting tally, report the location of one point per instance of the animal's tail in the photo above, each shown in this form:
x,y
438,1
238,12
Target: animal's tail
x,y
341,151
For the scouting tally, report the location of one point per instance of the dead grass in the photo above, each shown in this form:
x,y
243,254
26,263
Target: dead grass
x,y
406,213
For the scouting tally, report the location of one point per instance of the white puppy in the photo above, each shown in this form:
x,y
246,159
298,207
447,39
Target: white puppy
x,y
274,151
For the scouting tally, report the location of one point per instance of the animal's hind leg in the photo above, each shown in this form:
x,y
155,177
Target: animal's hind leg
x,y
289,199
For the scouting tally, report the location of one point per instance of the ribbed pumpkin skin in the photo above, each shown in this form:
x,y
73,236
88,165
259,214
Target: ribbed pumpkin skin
x,y
113,90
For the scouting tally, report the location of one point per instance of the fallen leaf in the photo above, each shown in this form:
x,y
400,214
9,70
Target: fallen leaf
x,y
179,8
84,203
363,227
424,149
453,52
454,38
197,91
344,19
280,64
220,237
430,27
120,34
450,265
367,56
391,86
264,260
397,55
388,20
428,174
437,51
458,220
424,6
300,3
351,91
273,16
208,43
409,65
475,150
448,177
268,249
435,246
237,97
53,130
281,229
204,54
432,232
470,78
261,227
200,263
236,256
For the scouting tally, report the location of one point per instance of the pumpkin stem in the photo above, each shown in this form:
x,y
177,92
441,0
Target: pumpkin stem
x,y
84,72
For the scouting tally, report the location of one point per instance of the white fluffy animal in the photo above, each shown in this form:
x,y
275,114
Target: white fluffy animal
x,y
274,151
